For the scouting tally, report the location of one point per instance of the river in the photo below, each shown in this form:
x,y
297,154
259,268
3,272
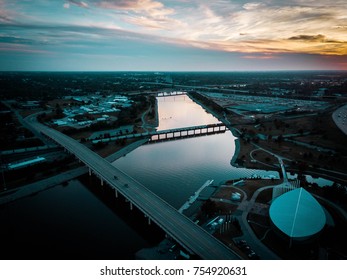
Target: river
x,y
72,222
174,170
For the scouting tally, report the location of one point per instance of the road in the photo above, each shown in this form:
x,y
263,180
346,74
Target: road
x,y
26,125
39,186
179,227
279,158
264,252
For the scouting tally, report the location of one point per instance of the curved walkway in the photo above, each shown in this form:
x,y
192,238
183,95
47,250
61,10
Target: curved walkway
x,y
263,251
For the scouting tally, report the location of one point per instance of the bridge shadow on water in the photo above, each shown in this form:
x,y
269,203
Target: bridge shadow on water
x,y
134,218
66,228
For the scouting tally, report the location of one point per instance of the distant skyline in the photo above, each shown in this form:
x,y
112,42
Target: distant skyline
x,y
172,35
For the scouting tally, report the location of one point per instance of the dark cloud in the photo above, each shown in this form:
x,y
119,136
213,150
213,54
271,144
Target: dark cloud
x,y
16,40
315,39
4,18
309,38
61,34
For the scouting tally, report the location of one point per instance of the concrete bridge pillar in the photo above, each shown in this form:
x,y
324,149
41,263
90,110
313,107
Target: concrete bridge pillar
x,y
90,171
149,221
131,206
116,193
101,182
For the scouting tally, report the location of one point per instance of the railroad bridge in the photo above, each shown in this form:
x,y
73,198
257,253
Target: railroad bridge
x,y
171,134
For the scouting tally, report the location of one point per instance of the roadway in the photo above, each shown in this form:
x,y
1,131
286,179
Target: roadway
x,y
12,195
191,236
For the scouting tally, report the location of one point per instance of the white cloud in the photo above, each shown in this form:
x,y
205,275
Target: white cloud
x,y
78,3
253,5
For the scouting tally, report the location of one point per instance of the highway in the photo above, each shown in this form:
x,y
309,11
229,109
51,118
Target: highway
x,y
191,236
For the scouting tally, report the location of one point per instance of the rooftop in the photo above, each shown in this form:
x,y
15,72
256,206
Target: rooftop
x,y
298,214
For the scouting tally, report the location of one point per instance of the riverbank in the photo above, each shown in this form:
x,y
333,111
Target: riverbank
x,y
235,157
241,150
319,146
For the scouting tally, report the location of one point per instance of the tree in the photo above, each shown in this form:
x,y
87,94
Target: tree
x,y
209,207
58,111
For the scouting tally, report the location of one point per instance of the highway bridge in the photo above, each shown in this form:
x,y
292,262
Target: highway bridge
x,y
189,235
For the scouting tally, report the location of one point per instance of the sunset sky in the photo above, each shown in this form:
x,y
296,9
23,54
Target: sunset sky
x,y
173,35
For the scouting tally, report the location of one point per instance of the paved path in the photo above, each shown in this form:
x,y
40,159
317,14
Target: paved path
x,y
39,186
192,199
262,251
46,141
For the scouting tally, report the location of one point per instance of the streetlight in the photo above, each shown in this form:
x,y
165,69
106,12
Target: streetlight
x,y
2,171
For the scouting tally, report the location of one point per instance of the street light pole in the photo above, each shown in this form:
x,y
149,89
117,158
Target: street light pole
x,y
2,171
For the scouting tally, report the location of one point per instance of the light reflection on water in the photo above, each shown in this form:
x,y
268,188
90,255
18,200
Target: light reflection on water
x,y
181,111
319,181
174,170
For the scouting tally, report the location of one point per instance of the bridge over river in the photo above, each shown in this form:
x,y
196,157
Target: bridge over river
x,y
189,235
170,134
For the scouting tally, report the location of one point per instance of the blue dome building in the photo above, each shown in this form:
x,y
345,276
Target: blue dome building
x,y
297,215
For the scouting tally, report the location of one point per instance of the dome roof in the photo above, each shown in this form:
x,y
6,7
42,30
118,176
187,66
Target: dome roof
x,y
298,214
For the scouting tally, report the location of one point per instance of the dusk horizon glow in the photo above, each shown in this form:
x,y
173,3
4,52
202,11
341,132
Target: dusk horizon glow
x,y
181,35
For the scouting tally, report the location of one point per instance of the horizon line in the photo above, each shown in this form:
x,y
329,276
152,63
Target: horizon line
x,y
175,71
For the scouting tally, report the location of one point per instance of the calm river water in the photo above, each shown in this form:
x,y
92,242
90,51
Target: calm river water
x,y
174,170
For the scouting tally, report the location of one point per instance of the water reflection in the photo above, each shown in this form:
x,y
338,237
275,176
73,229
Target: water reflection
x,y
174,170
66,223
181,111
